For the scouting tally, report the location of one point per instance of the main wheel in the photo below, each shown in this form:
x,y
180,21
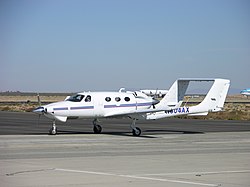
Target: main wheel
x,y
136,131
97,129
53,131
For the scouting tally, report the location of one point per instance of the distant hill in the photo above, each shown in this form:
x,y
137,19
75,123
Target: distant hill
x,y
200,91
32,94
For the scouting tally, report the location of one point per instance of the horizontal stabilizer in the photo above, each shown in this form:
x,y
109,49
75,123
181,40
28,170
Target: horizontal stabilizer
x,y
199,114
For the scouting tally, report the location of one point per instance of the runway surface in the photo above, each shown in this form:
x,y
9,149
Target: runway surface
x,y
17,123
171,152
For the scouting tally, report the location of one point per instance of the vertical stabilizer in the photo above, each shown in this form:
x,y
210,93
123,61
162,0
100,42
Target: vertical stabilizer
x,y
175,95
214,100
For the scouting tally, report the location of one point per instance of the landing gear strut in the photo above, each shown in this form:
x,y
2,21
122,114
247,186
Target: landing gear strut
x,y
97,128
135,130
53,130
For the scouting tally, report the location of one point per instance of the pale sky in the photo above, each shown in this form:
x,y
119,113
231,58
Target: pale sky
x,y
82,45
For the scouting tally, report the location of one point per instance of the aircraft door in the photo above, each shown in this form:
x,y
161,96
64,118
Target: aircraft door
x,y
98,106
136,102
89,105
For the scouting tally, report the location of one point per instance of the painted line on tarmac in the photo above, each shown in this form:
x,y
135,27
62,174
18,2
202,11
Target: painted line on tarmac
x,y
198,173
136,177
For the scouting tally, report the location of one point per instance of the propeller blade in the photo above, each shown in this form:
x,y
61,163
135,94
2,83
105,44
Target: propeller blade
x,y
39,110
38,121
155,101
155,95
38,99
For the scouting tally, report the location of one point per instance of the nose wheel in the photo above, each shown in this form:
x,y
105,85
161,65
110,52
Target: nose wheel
x,y
53,130
97,128
136,131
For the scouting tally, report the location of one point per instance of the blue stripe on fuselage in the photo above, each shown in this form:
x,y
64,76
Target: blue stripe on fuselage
x,y
105,106
61,108
128,105
81,107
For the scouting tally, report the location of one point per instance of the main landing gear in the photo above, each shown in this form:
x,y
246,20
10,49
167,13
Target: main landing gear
x,y
97,128
53,130
135,130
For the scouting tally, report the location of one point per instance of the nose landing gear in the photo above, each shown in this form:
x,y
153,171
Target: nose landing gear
x,y
53,130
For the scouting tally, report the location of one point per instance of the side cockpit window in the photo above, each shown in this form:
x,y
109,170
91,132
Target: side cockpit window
x,y
88,98
75,98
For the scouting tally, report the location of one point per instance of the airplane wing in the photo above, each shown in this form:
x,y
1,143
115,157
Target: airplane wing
x,y
127,113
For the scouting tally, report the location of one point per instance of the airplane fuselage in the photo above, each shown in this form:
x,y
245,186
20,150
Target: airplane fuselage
x,y
97,105
245,92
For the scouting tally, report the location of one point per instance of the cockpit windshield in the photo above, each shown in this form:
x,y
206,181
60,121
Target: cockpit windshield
x,y
75,98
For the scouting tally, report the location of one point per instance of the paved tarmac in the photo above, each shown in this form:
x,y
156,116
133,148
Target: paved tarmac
x,y
171,152
18,123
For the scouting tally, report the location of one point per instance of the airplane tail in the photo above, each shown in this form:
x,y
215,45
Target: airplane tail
x,y
214,100
171,103
174,97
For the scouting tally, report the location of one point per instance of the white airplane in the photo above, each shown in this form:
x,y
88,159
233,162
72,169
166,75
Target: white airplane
x,y
155,93
245,92
133,105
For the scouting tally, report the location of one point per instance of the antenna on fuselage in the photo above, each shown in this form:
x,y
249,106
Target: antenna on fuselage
x,y
122,90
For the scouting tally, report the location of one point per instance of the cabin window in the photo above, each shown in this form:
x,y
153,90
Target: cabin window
x,y
117,99
75,98
108,99
88,98
127,99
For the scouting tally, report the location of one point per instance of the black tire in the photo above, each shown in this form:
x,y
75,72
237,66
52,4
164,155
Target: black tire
x,y
53,132
97,129
136,131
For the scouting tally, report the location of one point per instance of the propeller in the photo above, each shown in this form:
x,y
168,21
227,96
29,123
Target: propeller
x,y
155,93
39,110
155,101
38,121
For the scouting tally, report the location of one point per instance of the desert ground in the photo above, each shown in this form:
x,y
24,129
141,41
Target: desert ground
x,y
237,107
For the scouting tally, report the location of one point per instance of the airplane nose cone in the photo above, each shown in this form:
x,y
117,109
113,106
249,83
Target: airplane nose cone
x,y
40,110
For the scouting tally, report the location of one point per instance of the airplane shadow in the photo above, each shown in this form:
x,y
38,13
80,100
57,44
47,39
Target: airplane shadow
x,y
60,132
173,132
145,134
